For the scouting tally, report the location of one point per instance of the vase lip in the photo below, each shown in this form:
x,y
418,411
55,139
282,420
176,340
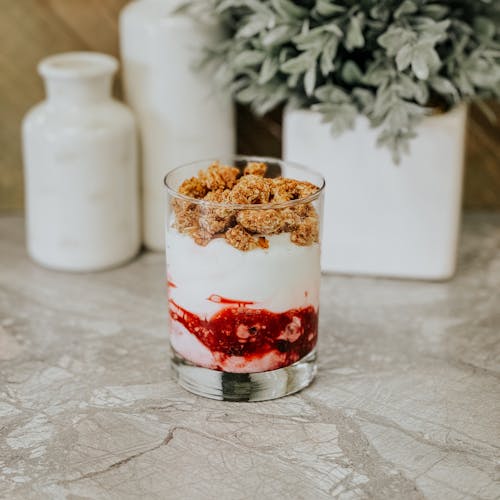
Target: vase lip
x,y
69,65
244,206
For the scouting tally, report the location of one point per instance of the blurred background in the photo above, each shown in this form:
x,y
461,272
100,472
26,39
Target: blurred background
x,y
33,29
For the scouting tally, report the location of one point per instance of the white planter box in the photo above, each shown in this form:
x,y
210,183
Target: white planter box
x,y
382,219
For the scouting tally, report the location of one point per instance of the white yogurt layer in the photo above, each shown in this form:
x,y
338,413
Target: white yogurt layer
x,y
284,276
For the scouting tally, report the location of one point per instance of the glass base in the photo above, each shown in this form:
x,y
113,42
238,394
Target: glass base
x,y
260,386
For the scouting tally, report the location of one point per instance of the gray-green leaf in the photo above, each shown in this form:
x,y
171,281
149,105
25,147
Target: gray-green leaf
x,y
394,38
326,8
332,94
407,7
484,28
254,25
424,61
351,73
310,80
268,69
436,11
298,64
279,35
328,55
354,35
443,86
248,58
289,10
404,57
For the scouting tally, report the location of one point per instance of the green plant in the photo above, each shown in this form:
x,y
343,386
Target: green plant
x,y
390,60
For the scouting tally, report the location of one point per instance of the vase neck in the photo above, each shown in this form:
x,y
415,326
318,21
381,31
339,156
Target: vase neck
x,y
78,78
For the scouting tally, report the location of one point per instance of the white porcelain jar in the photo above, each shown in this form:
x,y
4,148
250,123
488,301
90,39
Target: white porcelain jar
x,y
182,115
380,218
80,167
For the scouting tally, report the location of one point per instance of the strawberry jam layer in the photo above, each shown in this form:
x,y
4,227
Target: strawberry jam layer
x,y
247,339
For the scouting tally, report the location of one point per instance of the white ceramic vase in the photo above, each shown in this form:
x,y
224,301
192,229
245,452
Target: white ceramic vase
x,y
80,167
182,114
382,219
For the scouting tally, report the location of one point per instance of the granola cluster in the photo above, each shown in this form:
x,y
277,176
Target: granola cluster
x,y
245,229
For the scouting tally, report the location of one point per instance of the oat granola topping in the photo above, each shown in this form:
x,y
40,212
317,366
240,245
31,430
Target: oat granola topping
x,y
218,176
186,215
251,189
193,187
245,229
241,239
307,232
261,221
255,168
200,236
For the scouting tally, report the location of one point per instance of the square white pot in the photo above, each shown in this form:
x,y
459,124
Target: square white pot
x,y
384,219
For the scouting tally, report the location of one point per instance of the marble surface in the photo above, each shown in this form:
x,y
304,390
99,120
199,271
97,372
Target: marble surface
x,y
406,403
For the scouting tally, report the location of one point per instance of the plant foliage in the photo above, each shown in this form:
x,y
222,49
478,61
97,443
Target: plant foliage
x,y
389,60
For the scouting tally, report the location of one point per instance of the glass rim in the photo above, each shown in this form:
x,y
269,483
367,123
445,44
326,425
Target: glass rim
x,y
246,206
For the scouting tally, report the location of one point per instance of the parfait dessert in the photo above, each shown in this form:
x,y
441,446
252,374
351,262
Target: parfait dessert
x,y
243,266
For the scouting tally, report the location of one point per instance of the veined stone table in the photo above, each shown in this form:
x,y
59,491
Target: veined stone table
x,y
406,403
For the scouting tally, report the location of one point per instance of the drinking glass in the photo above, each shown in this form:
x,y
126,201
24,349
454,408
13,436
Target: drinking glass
x,y
243,283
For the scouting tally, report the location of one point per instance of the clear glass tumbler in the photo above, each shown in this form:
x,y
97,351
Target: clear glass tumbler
x,y
243,267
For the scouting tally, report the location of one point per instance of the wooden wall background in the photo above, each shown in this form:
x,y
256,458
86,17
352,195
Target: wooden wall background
x,y
33,29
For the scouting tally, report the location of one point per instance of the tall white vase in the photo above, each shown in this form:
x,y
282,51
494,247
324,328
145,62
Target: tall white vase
x,y
80,167
382,219
182,114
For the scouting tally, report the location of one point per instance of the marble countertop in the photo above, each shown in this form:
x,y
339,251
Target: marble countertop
x,y
406,403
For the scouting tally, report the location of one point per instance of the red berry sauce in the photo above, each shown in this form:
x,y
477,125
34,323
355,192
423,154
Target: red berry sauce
x,y
250,333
